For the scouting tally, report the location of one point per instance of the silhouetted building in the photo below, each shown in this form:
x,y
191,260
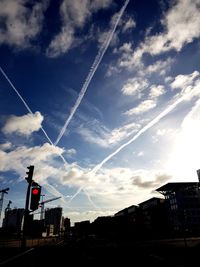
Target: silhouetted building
x,y
129,222
53,217
13,219
130,211
153,217
183,205
104,226
67,224
81,229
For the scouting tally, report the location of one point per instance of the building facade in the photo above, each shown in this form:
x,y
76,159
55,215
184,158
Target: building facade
x,y
153,217
13,219
183,207
54,217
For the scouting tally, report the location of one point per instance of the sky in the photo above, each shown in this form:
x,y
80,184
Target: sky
x,y
102,97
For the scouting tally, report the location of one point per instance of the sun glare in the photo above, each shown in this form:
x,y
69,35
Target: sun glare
x,y
185,157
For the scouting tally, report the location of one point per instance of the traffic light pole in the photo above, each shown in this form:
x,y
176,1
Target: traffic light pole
x,y
26,212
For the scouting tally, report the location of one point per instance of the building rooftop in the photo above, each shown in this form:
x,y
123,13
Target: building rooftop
x,y
151,202
126,210
175,186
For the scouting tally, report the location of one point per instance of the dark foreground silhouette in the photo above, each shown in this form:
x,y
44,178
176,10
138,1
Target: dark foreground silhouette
x,y
102,252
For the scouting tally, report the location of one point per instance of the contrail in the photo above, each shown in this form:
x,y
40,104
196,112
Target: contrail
x,y
76,194
143,130
50,187
28,108
90,200
30,111
92,71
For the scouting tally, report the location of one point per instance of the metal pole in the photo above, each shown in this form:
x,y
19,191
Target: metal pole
x,y
42,209
26,212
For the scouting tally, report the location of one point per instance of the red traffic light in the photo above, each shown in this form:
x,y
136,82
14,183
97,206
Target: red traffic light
x,y
35,191
35,196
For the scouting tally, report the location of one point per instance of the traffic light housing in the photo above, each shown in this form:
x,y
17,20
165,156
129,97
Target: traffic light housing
x,y
29,173
35,196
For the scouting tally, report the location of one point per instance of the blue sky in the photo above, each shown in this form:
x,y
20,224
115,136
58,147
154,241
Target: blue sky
x,y
102,97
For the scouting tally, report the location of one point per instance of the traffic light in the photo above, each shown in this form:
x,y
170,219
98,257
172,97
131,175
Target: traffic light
x,y
30,173
35,196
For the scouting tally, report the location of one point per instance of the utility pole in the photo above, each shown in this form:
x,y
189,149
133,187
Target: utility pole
x,y
29,179
42,208
3,191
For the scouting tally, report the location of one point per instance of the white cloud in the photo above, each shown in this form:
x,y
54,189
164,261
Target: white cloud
x,y
160,66
126,48
61,42
103,137
182,81
143,107
122,183
129,24
93,137
44,158
102,185
111,70
20,23
161,132
181,26
188,85
140,154
156,91
5,146
24,125
23,156
75,176
125,51
74,15
102,36
135,86
123,132
98,4
71,152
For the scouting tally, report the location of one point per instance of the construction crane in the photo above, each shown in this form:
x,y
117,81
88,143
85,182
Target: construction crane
x,y
42,206
3,191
